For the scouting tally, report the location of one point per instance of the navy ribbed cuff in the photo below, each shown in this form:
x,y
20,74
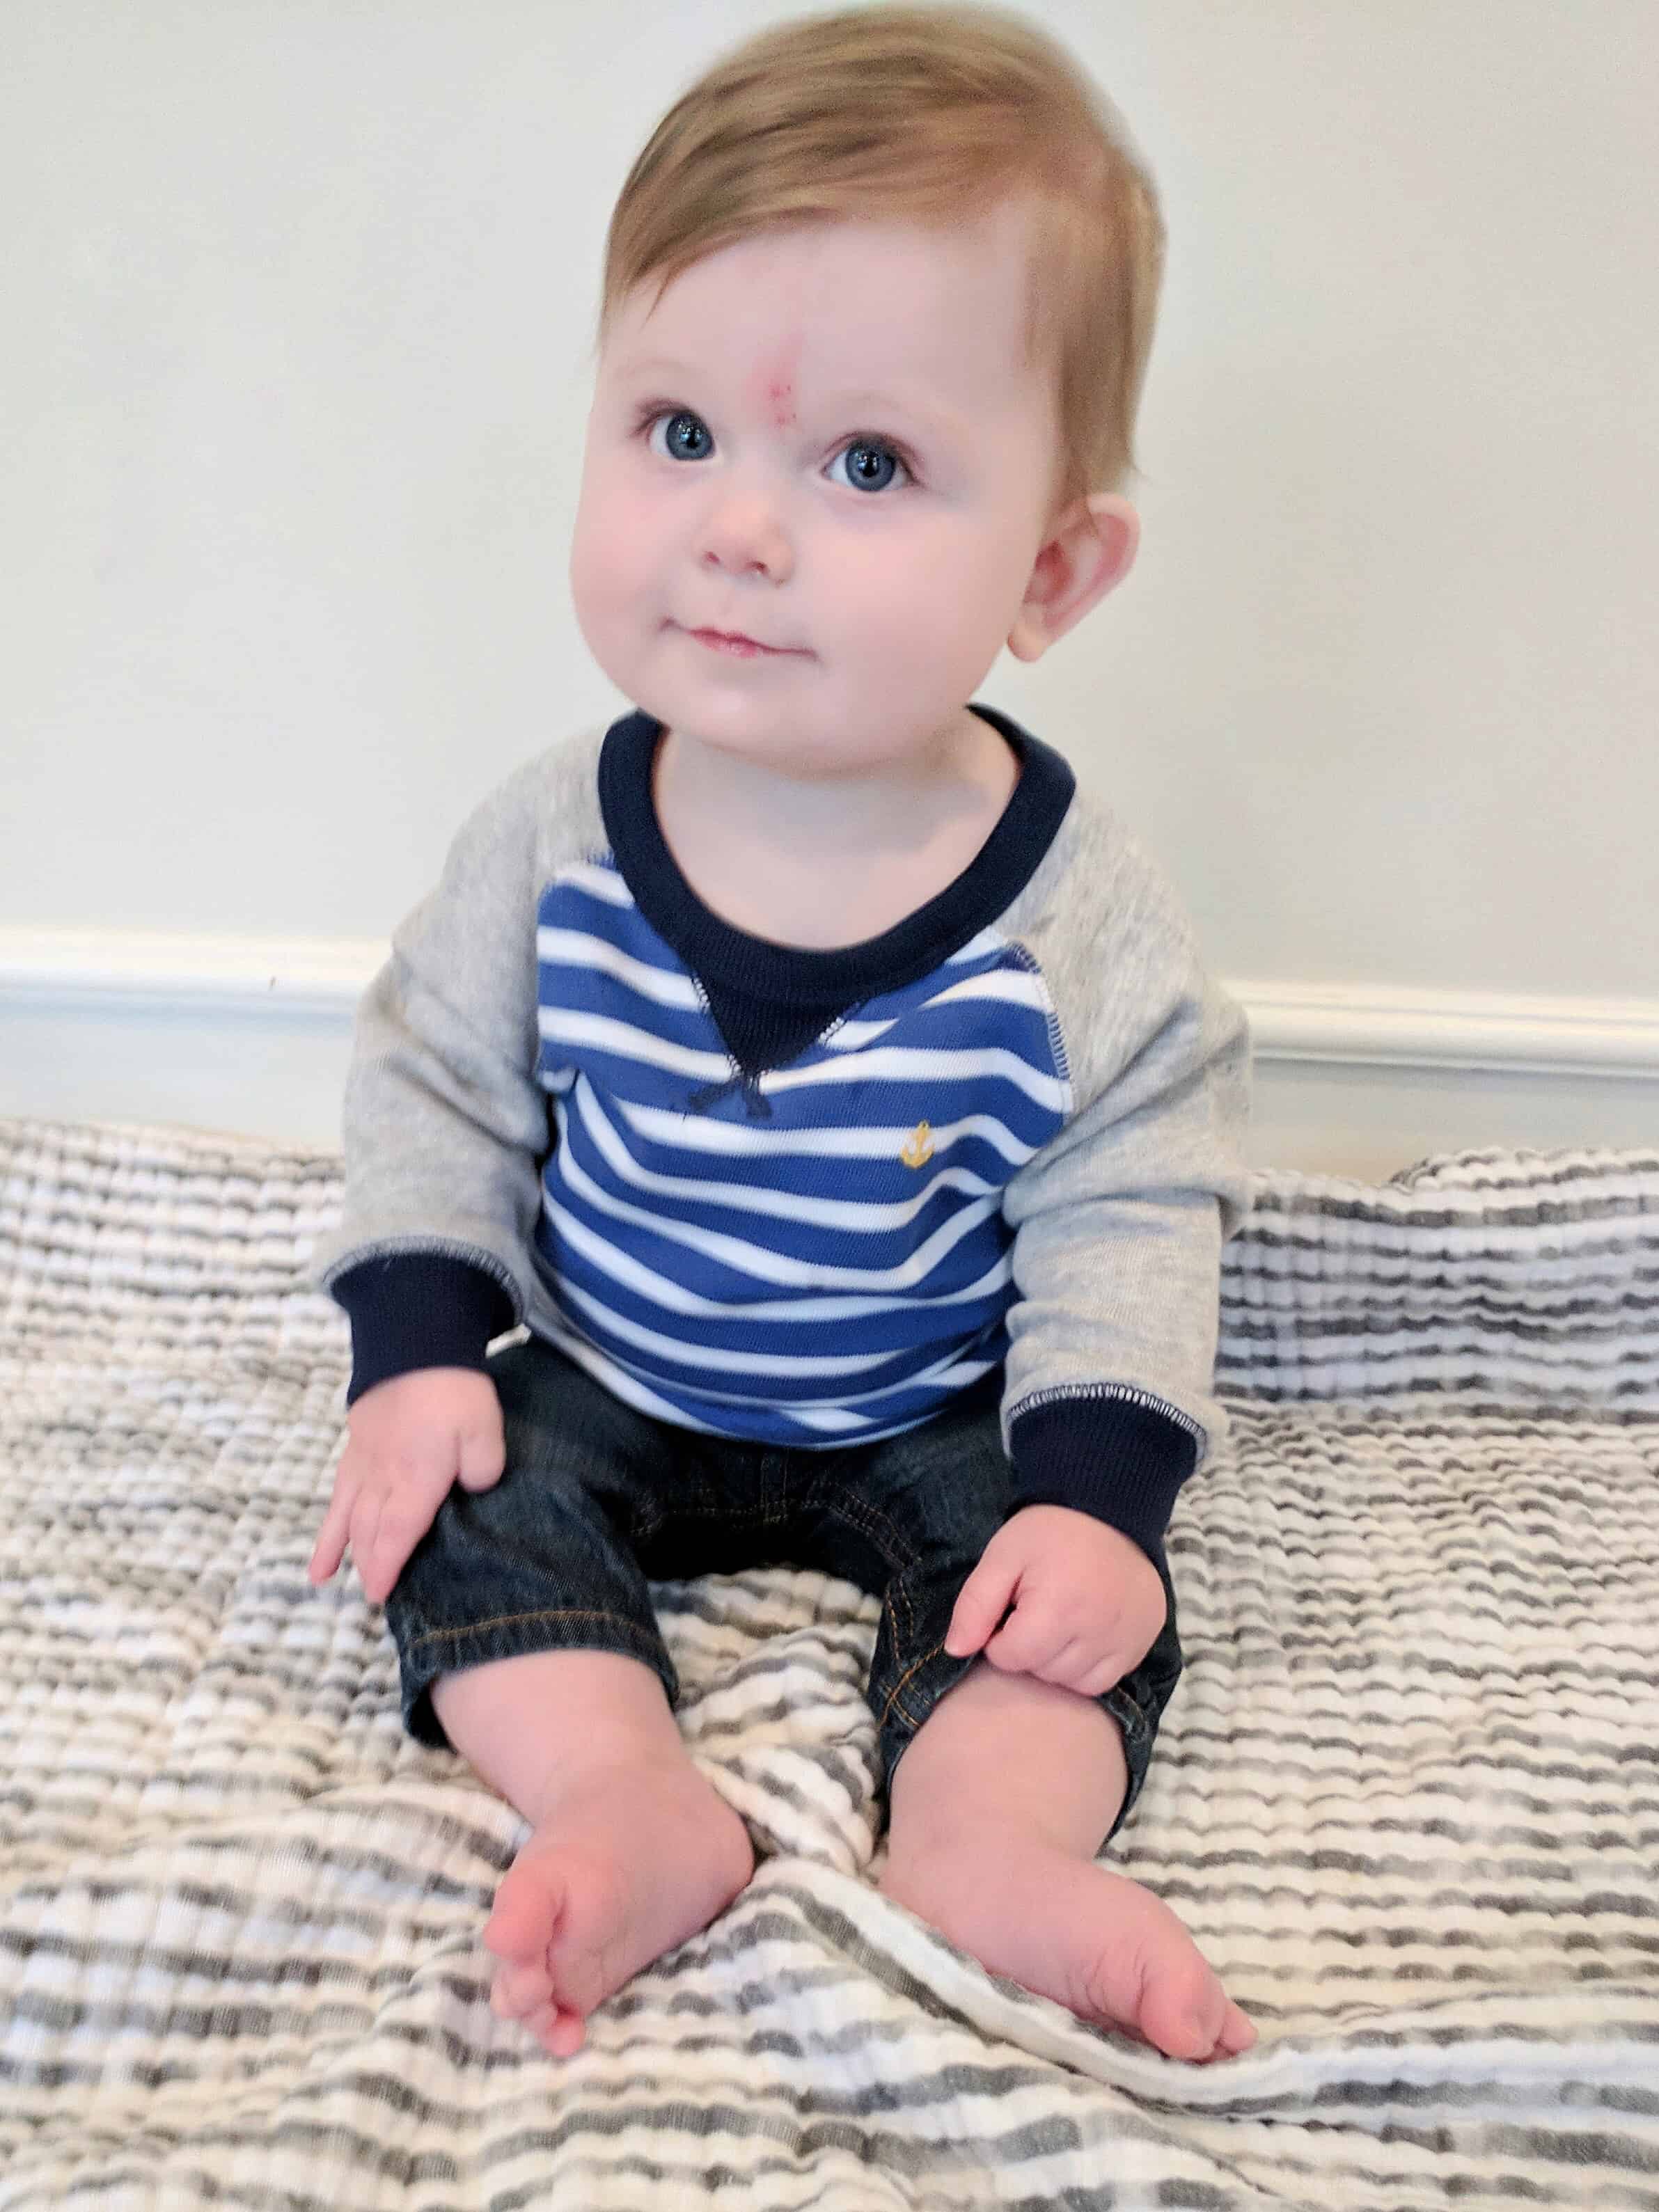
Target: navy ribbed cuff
x,y
413,1309
1113,1457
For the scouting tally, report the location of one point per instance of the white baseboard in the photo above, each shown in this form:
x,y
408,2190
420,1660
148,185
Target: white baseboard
x,y
253,1034
137,972
1373,1025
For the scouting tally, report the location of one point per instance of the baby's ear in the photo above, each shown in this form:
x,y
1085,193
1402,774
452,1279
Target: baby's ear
x,y
1090,549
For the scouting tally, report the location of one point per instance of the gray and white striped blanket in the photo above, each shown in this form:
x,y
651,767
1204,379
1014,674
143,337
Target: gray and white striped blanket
x,y
1406,1797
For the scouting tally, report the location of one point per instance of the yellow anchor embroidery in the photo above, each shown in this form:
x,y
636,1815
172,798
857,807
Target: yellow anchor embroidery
x,y
918,1148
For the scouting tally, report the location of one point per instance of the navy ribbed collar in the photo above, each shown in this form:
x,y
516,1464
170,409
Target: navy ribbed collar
x,y
717,951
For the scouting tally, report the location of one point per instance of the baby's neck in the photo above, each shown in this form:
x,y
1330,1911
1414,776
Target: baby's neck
x,y
826,861
886,807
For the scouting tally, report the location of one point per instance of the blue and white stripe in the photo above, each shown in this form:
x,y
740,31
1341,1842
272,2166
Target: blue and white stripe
x,y
794,1279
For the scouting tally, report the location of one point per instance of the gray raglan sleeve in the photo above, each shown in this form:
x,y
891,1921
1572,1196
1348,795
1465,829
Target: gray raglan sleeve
x,y
1118,1228
446,1121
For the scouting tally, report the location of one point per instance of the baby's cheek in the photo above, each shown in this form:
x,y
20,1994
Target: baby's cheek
x,y
611,590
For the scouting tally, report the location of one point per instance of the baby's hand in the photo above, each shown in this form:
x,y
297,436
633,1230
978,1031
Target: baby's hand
x,y
1088,1603
410,1437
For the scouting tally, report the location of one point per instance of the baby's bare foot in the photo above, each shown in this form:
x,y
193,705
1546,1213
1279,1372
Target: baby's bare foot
x,y
629,1862
1094,1942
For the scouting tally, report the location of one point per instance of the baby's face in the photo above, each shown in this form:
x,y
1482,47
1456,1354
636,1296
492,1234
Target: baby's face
x,y
829,442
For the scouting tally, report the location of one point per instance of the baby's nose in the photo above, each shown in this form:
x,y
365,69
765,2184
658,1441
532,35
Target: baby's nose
x,y
744,535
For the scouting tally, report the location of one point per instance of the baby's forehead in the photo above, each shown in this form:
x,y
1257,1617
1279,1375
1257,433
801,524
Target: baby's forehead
x,y
883,315
767,366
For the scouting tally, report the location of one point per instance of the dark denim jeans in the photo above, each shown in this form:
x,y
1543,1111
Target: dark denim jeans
x,y
597,1497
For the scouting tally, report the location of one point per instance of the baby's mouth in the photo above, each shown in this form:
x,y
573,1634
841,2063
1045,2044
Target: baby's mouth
x,y
736,642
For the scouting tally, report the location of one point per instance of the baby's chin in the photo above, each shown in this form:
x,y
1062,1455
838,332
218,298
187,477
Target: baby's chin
x,y
811,738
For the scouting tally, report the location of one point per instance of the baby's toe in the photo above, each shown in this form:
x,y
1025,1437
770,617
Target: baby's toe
x,y
1182,2005
1188,2012
527,1908
519,1989
558,2030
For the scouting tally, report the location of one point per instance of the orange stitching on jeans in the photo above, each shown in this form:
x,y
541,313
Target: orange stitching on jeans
x,y
898,1553
678,1512
893,1696
514,1620
899,1557
899,1549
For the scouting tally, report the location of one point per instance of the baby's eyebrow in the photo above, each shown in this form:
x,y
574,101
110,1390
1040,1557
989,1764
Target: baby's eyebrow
x,y
935,420
658,365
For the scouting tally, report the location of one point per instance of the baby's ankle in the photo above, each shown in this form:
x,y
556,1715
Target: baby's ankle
x,y
532,1726
612,1774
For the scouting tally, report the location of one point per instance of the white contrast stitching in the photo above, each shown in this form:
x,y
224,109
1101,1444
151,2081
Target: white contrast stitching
x,y
1108,1390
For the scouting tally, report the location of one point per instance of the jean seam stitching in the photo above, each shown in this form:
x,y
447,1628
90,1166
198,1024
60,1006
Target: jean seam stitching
x,y
898,1555
516,1619
764,1513
897,1690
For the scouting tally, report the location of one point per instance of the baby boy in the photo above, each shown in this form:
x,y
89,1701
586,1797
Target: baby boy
x,y
826,1086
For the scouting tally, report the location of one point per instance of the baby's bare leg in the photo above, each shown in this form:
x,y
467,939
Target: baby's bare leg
x,y
631,1851
998,1806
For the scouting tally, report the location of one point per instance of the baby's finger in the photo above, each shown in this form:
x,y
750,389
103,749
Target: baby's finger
x,y
326,1554
1105,1675
1080,1666
1065,1666
981,1603
329,1548
366,1543
1027,1644
482,1456
403,1518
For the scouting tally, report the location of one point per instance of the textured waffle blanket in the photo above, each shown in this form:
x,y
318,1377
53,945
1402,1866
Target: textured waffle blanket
x,y
1406,1795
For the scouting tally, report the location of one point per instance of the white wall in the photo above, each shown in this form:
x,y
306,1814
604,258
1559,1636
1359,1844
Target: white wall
x,y
298,303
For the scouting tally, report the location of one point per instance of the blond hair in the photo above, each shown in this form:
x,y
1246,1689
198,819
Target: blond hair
x,y
931,114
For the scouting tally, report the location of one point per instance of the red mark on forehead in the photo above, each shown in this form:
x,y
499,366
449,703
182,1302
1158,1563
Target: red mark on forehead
x,y
775,383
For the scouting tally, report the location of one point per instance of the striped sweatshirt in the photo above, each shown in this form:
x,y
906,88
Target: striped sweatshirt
x,y
801,1197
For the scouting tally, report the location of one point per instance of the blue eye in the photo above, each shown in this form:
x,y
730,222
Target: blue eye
x,y
677,440
871,465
